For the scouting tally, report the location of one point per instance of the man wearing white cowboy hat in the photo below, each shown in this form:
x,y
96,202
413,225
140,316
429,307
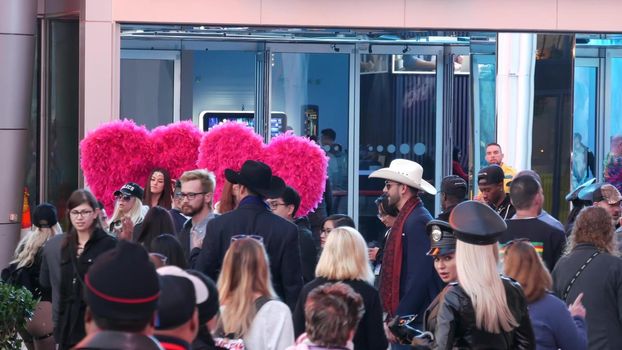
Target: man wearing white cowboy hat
x,y
408,282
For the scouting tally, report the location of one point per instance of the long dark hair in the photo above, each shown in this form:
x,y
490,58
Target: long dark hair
x,y
340,220
166,196
169,246
77,198
157,221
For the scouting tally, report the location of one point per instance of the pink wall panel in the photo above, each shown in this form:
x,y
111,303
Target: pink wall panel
x,y
590,16
333,13
482,14
188,11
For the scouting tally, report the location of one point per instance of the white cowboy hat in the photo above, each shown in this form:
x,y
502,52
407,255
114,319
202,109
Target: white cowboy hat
x,y
405,172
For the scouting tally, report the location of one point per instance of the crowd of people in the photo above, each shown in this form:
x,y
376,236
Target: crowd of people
x,y
171,269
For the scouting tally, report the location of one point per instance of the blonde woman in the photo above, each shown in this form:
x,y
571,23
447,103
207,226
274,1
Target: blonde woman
x,y
128,211
345,259
249,307
24,271
483,310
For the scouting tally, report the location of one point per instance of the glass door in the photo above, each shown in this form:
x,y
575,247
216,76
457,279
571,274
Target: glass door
x,y
584,126
400,108
150,86
311,94
612,171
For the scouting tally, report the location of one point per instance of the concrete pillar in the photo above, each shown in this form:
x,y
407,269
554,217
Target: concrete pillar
x,y
17,45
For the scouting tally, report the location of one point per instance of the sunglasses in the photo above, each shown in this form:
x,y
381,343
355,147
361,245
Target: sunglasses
x,y
239,237
121,197
163,258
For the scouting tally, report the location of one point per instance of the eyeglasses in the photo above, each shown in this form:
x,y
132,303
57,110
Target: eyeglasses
x,y
81,213
274,205
189,195
121,197
239,237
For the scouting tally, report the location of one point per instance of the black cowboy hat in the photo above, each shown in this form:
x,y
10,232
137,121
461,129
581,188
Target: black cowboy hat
x,y
257,176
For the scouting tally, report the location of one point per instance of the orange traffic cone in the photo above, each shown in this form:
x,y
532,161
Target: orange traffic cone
x,y
26,220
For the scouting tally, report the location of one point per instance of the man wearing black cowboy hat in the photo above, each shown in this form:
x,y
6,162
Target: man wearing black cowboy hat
x,y
253,217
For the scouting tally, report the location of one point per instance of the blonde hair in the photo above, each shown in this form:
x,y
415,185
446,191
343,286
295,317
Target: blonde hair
x,y
245,273
478,276
207,178
31,244
522,263
345,257
135,213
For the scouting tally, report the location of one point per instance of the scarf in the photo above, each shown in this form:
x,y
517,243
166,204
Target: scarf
x,y
392,260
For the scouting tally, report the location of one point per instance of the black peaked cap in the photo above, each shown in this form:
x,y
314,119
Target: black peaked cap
x,y
476,223
442,238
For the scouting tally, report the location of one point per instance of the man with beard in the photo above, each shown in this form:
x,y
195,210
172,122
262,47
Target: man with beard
x,y
606,196
408,281
494,156
196,195
490,181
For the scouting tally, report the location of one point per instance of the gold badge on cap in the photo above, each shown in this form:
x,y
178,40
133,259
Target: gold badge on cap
x,y
437,234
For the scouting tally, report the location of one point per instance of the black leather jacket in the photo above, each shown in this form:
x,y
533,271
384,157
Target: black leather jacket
x,y
108,340
456,327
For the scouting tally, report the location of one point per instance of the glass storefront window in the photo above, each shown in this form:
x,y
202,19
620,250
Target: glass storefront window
x,y
484,81
218,85
613,140
310,95
584,125
62,120
148,87
397,120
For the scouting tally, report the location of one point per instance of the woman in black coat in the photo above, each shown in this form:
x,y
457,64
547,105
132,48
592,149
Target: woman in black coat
x,y
344,259
483,309
85,240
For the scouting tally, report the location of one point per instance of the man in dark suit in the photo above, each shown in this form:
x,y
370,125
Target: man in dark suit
x,y
251,186
286,207
408,281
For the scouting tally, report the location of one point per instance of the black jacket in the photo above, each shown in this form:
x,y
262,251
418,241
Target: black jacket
x,y
70,328
28,276
308,253
280,238
369,333
601,284
456,327
109,340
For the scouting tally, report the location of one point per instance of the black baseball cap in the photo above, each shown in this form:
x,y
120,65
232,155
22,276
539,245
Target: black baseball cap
x,y
181,293
490,175
44,216
209,308
454,185
130,189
